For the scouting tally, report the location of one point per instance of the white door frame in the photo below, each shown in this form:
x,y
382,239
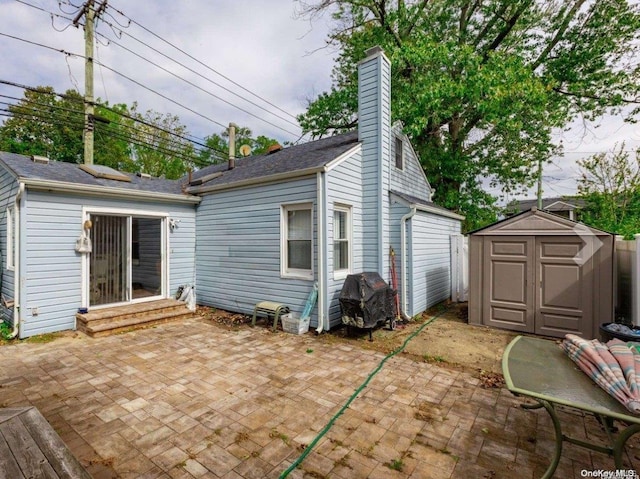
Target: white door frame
x,y
87,211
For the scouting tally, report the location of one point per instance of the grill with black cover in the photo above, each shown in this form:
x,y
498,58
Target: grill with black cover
x,y
367,300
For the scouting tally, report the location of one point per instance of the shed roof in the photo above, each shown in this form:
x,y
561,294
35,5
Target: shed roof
x,y
63,173
558,203
307,156
536,222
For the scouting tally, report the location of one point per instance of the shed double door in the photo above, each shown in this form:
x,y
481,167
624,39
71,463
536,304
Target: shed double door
x,y
538,285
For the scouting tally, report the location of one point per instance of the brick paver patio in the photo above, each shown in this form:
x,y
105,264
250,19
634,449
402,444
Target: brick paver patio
x,y
194,400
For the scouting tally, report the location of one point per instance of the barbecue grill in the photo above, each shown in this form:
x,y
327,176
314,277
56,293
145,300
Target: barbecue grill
x,y
367,300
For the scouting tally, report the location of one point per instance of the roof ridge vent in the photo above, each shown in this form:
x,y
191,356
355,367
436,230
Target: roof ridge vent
x,y
274,148
43,160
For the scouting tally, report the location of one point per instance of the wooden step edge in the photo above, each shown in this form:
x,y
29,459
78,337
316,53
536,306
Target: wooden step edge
x,y
134,327
134,320
151,312
116,312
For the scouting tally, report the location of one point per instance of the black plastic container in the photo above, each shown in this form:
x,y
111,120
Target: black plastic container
x,y
606,335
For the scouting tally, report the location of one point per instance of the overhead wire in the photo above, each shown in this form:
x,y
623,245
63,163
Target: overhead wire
x,y
198,61
114,28
189,82
100,129
117,112
23,111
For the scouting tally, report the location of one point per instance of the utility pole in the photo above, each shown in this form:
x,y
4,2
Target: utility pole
x,y
540,184
90,15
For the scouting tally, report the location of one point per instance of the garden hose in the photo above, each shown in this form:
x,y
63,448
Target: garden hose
x,y
325,429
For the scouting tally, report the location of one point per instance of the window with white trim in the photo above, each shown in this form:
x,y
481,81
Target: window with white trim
x,y
399,153
341,240
11,237
297,245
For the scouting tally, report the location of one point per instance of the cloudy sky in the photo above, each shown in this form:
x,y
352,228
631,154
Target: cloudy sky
x,y
230,51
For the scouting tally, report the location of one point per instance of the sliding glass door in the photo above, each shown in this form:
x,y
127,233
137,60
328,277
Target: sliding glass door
x,y
126,262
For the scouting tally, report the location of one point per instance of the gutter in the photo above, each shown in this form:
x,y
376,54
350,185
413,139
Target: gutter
x,y
321,244
16,264
438,211
403,242
107,192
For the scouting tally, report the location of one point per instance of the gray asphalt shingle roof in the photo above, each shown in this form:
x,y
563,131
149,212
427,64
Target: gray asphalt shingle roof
x,y
565,203
313,154
59,171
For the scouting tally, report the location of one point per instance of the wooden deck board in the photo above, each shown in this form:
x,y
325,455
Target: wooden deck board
x,y
29,448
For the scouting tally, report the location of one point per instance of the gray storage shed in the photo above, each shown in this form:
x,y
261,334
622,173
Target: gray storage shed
x,y
540,273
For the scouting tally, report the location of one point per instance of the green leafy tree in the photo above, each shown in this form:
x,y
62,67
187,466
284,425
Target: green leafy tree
x,y
480,86
217,150
44,124
610,184
47,124
160,146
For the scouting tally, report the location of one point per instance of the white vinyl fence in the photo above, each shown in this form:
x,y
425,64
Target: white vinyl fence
x,y
459,268
627,276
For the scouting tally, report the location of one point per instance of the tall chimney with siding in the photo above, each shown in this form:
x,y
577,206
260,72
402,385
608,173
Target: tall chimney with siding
x,y
374,131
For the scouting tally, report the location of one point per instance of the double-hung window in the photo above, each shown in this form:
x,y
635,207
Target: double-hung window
x,y
297,245
341,241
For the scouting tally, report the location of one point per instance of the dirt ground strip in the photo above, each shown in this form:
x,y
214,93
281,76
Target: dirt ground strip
x,y
447,340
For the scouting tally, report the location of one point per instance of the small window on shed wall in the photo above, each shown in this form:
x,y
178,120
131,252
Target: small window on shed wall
x,y
399,153
11,237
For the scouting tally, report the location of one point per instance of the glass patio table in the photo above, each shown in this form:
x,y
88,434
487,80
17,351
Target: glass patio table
x,y
539,369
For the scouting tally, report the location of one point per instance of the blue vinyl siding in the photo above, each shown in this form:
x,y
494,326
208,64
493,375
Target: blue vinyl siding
x,y
344,187
238,247
8,191
411,178
374,119
430,260
51,269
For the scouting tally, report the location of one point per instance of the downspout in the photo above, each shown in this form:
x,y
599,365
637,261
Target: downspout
x,y
403,241
16,264
321,243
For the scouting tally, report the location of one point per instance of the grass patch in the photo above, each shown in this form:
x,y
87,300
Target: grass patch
x,y
396,465
428,358
42,338
283,437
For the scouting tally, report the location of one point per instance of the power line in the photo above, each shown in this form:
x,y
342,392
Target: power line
x,y
166,70
32,114
195,72
199,61
117,112
175,75
60,50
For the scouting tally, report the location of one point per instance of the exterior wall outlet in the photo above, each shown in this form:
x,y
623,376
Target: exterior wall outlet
x,y
35,311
